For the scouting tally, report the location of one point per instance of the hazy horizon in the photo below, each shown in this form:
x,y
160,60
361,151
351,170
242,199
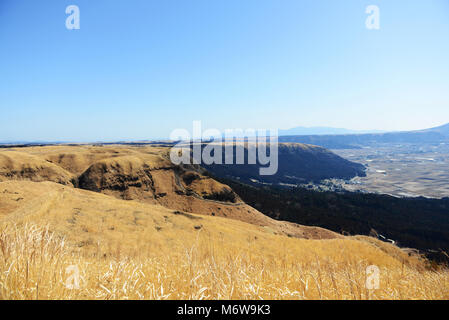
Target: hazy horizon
x,y
137,70
350,131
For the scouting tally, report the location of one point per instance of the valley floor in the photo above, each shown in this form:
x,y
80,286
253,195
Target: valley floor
x,y
402,170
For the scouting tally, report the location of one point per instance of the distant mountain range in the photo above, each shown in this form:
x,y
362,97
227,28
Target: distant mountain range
x,y
444,130
322,131
347,141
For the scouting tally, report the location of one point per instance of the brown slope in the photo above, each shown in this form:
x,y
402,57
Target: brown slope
x,y
16,165
145,174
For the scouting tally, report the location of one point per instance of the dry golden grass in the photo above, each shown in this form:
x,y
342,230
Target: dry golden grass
x,y
16,165
33,264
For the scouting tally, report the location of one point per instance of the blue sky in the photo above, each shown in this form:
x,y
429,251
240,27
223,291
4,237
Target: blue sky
x,y
139,69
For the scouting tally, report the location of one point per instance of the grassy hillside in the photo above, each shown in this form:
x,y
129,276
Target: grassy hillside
x,y
135,246
131,250
143,174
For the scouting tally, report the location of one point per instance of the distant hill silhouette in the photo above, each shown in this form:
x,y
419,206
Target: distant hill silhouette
x,y
444,129
322,131
341,141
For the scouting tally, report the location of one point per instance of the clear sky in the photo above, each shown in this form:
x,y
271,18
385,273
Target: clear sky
x,y
139,69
